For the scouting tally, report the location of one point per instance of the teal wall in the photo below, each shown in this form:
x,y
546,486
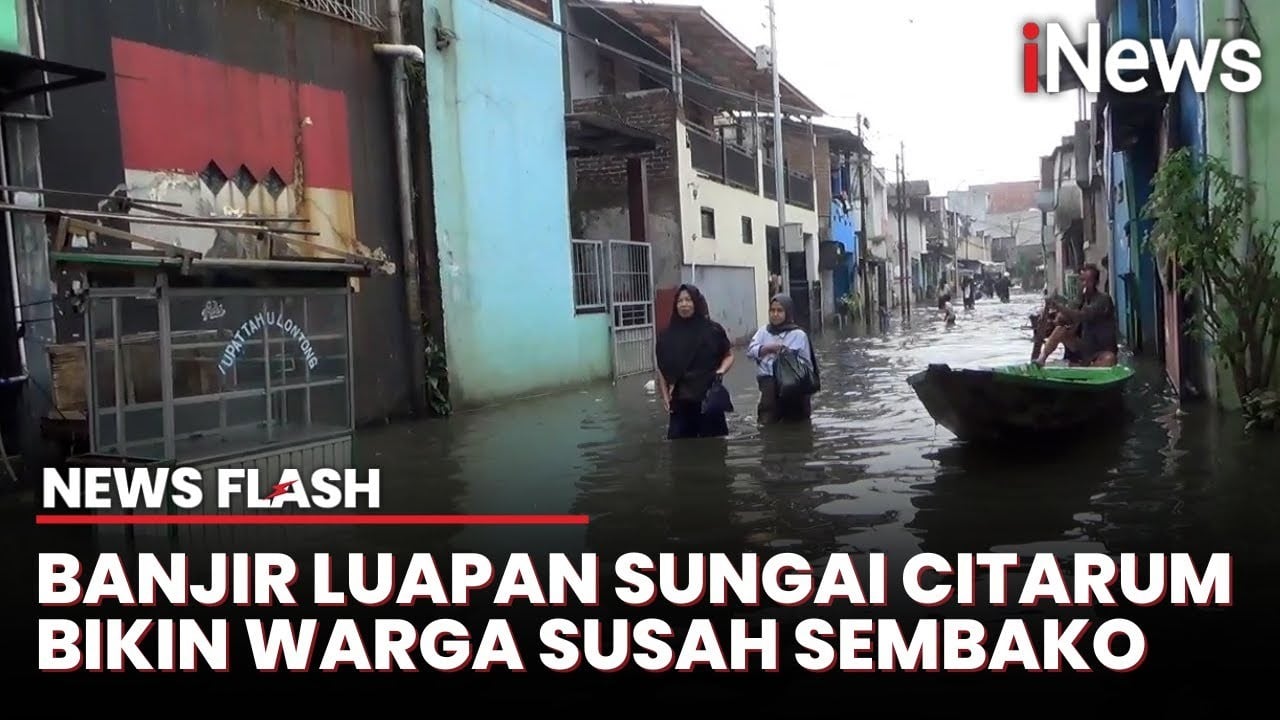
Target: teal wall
x,y
1262,110
496,103
12,35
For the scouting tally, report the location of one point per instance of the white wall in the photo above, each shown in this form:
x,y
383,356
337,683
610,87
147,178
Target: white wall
x,y
974,248
731,205
878,211
585,70
973,203
1023,225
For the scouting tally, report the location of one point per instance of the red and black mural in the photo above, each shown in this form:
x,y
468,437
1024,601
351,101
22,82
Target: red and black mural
x,y
286,154
218,104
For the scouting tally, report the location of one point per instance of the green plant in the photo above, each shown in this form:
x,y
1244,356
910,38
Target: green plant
x,y
851,306
1262,408
437,374
1200,210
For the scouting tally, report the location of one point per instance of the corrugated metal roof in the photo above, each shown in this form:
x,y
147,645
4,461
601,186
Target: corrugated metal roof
x,y
707,48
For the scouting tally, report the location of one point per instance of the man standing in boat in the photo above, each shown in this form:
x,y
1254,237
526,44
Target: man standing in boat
x,y
1086,328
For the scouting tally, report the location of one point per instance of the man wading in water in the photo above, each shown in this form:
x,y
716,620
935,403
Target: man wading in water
x,y
1086,328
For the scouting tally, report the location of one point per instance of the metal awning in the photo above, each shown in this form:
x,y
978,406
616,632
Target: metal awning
x,y
707,48
842,139
592,134
22,76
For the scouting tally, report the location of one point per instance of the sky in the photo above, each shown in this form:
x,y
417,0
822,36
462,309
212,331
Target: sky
x,y
942,77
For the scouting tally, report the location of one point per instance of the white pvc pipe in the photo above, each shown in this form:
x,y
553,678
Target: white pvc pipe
x,y
409,52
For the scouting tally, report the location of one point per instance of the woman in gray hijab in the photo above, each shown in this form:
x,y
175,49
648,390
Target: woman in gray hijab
x,y
781,333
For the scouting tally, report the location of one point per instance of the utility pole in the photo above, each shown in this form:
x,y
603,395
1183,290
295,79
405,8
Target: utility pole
x,y
862,216
897,223
904,248
779,174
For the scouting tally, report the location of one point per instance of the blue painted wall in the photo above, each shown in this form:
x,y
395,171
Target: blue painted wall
x,y
1191,117
1163,18
843,228
843,231
1121,204
1131,19
496,103
1145,160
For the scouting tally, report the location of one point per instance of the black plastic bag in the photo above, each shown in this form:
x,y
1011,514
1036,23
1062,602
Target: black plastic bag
x,y
794,376
717,400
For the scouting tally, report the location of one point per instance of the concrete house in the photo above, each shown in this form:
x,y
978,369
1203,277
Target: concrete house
x,y
709,192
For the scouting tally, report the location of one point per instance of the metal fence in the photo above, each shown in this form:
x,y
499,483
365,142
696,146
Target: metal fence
x,y
799,187
631,300
365,13
588,276
722,160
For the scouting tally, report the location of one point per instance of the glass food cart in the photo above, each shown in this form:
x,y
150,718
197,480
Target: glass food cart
x,y
202,368
215,363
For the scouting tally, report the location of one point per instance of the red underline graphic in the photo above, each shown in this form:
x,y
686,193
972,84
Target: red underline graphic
x,y
311,519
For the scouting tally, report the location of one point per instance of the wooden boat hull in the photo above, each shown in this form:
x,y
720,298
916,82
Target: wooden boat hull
x,y
1022,404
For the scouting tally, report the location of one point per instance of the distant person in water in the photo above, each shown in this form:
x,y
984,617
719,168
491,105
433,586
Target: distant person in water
x,y
1086,328
781,333
693,353
944,296
969,292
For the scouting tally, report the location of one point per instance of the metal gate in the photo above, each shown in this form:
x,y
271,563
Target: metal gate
x,y
631,307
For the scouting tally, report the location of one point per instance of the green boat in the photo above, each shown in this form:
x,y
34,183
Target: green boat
x,y
1021,402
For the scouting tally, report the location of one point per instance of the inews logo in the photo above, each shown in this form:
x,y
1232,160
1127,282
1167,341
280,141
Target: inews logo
x,y
1127,62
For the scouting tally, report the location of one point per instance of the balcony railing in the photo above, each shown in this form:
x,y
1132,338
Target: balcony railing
x,y
723,161
799,187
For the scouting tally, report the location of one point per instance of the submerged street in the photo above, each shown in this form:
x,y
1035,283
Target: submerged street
x,y
874,473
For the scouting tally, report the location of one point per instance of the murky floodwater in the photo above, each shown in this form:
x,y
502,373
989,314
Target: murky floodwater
x,y
873,473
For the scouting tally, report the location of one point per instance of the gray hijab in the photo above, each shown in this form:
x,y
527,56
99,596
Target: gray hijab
x,y
788,306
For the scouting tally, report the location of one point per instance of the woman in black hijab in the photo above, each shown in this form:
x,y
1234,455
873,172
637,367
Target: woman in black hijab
x,y
694,352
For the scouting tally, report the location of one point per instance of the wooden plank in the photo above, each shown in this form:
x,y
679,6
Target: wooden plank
x,y
217,218
60,235
354,257
72,193
170,248
131,218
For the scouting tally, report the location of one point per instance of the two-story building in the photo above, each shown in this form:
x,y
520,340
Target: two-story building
x,y
943,230
840,214
710,191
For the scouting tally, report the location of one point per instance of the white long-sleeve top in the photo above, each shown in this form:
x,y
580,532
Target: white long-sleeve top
x,y
795,339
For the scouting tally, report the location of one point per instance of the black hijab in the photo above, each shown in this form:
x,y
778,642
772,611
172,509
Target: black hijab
x,y
788,306
680,342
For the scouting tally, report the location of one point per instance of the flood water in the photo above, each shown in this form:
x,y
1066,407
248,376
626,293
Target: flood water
x,y
872,473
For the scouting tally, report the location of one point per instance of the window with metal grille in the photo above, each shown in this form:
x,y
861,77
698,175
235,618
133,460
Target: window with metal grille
x,y
365,13
588,277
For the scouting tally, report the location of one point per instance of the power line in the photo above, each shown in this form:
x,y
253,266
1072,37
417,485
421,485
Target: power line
x,y
668,72
643,40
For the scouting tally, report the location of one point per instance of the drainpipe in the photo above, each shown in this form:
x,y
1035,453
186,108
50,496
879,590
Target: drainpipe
x,y
398,51
1237,125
